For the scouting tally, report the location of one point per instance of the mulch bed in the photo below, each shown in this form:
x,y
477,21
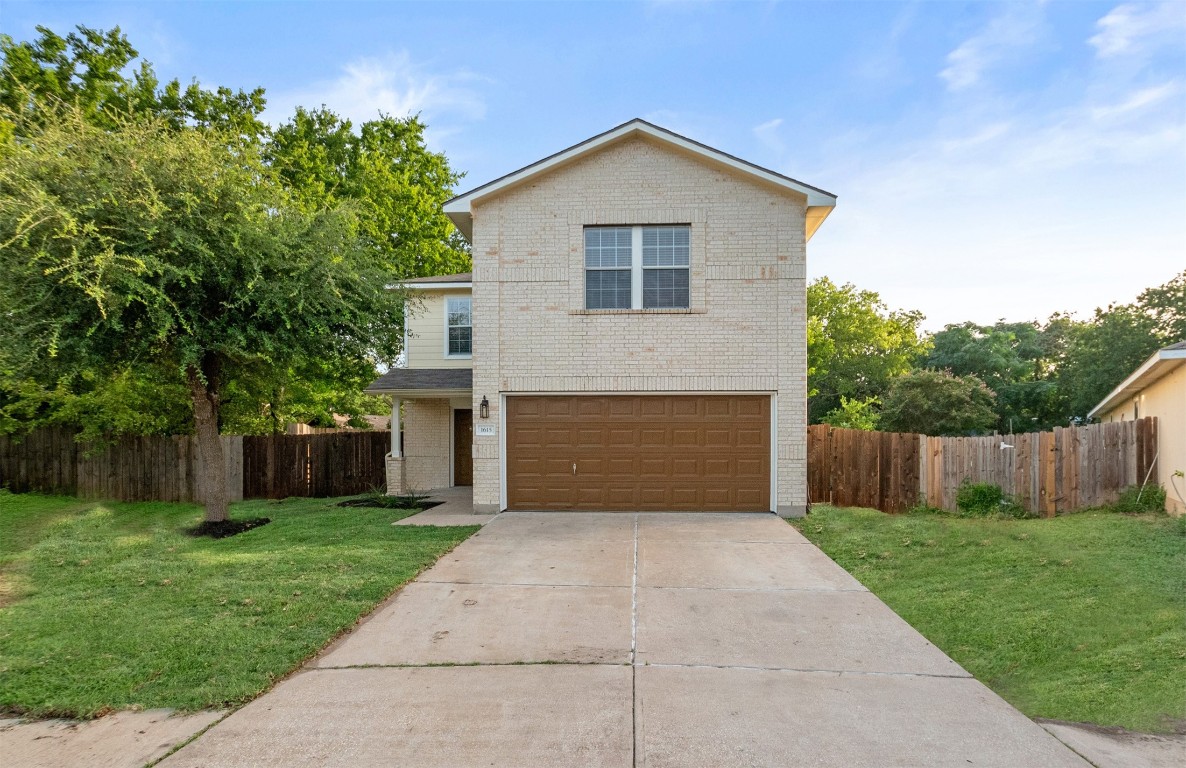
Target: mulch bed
x,y
225,528
420,505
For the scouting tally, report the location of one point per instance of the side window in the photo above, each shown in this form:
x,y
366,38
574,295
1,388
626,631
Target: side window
x,y
459,324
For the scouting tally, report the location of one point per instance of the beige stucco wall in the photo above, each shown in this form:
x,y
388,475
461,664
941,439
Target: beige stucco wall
x,y
428,426
426,330
1165,399
745,332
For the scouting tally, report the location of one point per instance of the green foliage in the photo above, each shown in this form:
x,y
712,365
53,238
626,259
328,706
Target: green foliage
x,y
1136,499
855,414
979,499
382,188
1016,360
1101,353
855,345
86,69
144,244
1079,617
986,500
399,185
111,606
938,403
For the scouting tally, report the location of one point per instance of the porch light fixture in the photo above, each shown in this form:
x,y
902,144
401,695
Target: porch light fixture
x,y
484,408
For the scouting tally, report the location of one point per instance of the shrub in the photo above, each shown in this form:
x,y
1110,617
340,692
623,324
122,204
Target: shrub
x,y
986,500
1133,499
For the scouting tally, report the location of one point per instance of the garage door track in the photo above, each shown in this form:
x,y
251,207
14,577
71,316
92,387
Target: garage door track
x,y
631,639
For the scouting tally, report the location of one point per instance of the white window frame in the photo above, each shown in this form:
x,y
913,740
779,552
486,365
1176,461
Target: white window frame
x,y
459,356
636,269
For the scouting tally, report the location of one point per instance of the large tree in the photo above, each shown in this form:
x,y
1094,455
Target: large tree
x,y
937,403
141,244
393,182
1017,361
855,344
1103,351
399,184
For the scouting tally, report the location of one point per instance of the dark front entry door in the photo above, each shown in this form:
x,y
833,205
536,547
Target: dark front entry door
x,y
463,444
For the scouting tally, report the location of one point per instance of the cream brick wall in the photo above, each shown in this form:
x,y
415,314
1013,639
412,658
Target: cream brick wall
x,y
428,425
745,331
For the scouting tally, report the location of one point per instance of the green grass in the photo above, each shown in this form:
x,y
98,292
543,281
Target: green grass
x,y
1080,618
111,606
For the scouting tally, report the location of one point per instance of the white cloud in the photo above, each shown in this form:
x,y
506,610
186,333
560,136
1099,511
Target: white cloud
x,y
767,133
1018,27
1015,209
391,84
1134,28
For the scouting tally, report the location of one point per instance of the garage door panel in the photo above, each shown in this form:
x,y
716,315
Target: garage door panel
x,y
654,467
653,437
717,468
753,437
687,452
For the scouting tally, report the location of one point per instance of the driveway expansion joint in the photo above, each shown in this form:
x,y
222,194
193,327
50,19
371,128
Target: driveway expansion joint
x,y
805,670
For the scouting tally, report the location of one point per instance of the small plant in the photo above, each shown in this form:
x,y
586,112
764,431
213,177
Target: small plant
x,y
978,499
986,500
1133,499
377,497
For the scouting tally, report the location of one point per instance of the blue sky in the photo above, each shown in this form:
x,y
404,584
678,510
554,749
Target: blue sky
x,y
992,159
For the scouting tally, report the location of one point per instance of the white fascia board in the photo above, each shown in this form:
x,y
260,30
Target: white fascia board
x,y
437,286
1159,364
459,208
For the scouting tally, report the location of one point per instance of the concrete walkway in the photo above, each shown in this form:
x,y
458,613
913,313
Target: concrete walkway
x,y
620,640
456,508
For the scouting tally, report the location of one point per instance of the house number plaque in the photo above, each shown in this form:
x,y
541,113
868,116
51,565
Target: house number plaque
x,y
484,430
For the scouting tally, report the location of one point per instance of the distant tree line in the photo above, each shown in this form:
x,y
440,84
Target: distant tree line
x,y
871,368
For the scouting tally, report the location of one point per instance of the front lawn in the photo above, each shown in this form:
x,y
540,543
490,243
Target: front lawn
x,y
111,606
1080,618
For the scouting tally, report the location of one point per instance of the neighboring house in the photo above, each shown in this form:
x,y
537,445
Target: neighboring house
x,y
1157,388
633,336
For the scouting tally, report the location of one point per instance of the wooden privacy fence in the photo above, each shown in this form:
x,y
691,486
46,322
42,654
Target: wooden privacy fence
x,y
163,468
1045,472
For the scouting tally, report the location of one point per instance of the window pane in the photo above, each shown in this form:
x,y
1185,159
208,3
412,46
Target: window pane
x,y
665,289
460,322
607,289
607,247
665,246
460,341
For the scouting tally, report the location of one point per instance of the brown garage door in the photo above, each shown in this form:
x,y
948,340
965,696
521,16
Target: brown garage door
x,y
662,452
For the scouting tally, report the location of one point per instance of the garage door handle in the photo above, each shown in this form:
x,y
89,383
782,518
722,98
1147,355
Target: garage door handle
x,y
574,467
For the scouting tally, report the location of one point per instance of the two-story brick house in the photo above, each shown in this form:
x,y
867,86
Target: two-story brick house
x,y
633,336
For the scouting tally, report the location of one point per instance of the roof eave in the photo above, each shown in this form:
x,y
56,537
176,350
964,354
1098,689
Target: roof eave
x,y
1158,365
460,209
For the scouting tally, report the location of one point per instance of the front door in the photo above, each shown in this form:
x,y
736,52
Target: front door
x,y
463,444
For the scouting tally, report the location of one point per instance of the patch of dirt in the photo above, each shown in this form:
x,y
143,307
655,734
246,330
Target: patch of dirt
x,y
420,505
1173,725
225,528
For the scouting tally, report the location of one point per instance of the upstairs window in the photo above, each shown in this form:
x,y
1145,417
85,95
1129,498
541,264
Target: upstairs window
x,y
459,328
640,267
608,259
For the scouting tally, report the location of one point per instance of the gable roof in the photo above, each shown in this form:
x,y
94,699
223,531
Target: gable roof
x,y
1160,363
819,202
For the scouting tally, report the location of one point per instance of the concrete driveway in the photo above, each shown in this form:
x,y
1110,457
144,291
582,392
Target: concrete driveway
x,y
620,640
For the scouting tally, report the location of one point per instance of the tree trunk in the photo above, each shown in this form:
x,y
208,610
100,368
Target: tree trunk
x,y
212,479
